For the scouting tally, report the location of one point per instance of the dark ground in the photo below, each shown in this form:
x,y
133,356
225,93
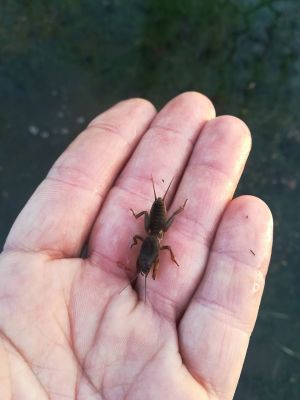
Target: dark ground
x,y
62,62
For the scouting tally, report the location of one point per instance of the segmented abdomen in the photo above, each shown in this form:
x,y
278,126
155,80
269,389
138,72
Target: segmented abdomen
x,y
157,217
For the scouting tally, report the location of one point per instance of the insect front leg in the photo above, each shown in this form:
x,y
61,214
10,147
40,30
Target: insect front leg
x,y
171,219
171,253
146,218
135,238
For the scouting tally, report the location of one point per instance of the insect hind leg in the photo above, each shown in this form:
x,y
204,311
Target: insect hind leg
x,y
171,219
171,253
155,268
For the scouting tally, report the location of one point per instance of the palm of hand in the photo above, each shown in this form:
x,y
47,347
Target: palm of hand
x,y
69,324
67,331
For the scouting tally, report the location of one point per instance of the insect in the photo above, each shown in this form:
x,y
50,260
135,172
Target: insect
x,y
156,223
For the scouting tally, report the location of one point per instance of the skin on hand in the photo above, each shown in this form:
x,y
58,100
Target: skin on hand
x,y
66,331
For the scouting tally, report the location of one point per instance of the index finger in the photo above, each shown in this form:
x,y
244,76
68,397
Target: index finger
x,y
59,215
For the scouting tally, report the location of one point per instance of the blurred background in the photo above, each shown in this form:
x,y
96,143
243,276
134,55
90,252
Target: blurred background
x,y
63,62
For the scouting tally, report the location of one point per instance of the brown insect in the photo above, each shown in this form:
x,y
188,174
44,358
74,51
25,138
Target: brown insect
x,y
156,224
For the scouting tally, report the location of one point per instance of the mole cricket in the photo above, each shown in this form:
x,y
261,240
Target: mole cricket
x,y
156,223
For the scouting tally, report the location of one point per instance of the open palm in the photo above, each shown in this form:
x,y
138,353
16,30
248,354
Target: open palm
x,y
67,330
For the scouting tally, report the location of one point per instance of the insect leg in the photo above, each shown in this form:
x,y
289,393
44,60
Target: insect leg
x,y
135,237
146,220
171,253
171,219
155,268
139,214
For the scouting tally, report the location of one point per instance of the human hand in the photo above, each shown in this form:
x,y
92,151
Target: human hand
x,y
67,330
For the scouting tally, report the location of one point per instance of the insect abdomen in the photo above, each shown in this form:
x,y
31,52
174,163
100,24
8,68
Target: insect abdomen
x,y
157,217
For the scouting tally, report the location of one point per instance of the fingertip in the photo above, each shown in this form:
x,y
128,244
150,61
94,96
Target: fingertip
x,y
233,126
135,105
200,100
194,100
252,207
138,102
246,232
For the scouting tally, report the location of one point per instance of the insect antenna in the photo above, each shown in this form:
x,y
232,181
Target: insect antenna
x,y
168,188
153,188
